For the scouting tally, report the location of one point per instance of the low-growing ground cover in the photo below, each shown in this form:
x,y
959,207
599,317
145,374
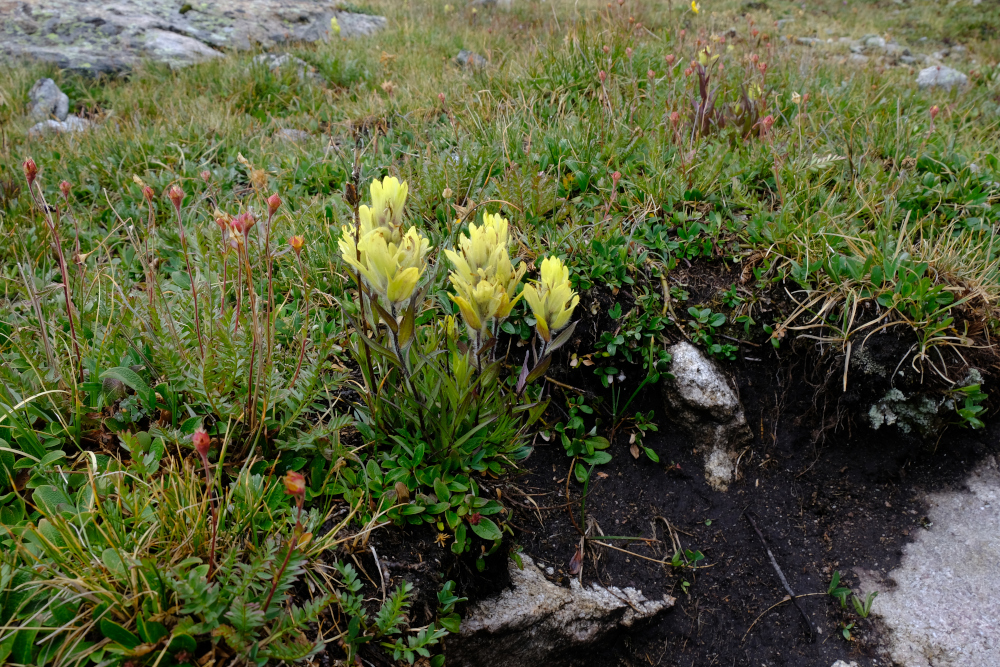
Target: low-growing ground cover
x,y
237,368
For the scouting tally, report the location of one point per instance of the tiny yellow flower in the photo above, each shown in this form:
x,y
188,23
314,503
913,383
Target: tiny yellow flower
x,y
551,299
334,26
695,7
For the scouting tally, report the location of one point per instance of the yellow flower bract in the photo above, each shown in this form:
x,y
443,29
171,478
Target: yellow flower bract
x,y
391,261
551,299
484,277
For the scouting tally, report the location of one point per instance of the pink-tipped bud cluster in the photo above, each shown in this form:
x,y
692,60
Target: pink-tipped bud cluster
x,y
934,111
243,223
602,75
273,204
176,196
441,98
650,74
206,175
615,177
148,194
65,188
30,171
669,58
675,118
628,52
766,123
201,442
295,484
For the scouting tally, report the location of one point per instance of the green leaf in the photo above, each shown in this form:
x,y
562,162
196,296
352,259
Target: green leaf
x,y
133,380
119,634
113,561
48,499
486,529
441,490
182,642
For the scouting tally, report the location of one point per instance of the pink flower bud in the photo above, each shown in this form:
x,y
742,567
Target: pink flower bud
x,y
147,193
273,203
755,32
688,71
295,483
762,67
675,117
206,175
243,223
176,196
628,52
602,75
64,188
766,123
650,74
670,59
441,98
934,111
607,49
201,442
682,33
754,58
615,177
30,171
297,242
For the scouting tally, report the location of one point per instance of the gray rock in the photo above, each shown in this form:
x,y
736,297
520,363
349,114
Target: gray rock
x,y
701,399
539,623
471,59
808,41
177,50
108,37
285,61
290,135
858,58
945,606
941,77
908,60
48,101
72,124
873,42
841,663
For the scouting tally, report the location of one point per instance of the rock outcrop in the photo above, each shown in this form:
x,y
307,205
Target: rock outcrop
x,y
539,623
112,36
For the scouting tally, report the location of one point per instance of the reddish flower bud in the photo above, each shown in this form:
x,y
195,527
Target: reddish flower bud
x,y
754,58
934,111
615,177
243,222
621,2
650,74
475,518
273,203
602,75
766,123
762,67
297,242
201,442
669,58
64,188
206,175
607,49
295,483
628,52
30,171
675,117
682,33
688,71
148,193
176,196
441,98
755,32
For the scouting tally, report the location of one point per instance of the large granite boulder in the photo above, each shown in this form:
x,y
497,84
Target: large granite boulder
x,y
115,35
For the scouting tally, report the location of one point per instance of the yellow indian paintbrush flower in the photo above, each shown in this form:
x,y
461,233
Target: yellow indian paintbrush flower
x,y
390,261
483,263
551,299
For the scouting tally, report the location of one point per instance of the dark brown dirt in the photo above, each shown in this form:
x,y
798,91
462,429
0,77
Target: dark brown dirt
x,y
850,502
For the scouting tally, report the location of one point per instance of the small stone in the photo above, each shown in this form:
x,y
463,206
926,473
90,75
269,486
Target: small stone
x,y
941,77
290,135
471,59
841,663
874,42
47,100
701,399
72,124
809,41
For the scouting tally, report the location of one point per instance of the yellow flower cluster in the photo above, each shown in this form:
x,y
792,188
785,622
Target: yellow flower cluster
x,y
390,260
484,277
551,299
